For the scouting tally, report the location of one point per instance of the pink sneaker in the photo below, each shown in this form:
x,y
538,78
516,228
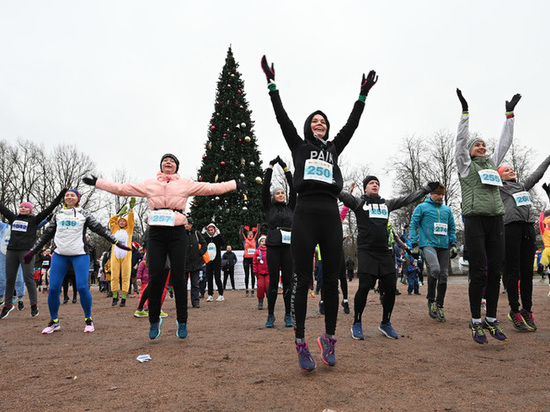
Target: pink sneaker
x,y
52,327
89,328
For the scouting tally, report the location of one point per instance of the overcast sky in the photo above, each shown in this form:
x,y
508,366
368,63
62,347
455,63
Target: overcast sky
x,y
127,81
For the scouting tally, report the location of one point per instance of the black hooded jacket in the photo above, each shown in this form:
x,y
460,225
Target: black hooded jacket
x,y
314,159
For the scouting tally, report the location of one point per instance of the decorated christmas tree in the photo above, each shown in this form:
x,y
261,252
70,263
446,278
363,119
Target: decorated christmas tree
x,y
230,152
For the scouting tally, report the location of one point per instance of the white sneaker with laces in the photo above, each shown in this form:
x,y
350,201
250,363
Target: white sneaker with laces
x,y
220,298
89,328
210,298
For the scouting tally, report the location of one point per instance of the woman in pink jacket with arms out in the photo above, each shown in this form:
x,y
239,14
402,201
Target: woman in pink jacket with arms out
x,y
167,195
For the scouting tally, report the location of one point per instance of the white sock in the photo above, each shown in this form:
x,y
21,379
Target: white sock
x,y
476,320
491,319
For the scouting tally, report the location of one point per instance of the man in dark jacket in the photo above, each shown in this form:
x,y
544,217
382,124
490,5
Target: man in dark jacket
x,y
228,264
193,259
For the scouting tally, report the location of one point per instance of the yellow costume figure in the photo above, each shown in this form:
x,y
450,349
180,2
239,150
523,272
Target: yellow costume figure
x,y
121,260
545,232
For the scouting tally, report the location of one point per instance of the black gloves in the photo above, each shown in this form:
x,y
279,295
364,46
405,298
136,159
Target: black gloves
x,y
368,82
433,185
453,252
510,105
274,161
122,246
463,101
282,164
90,180
28,257
269,73
546,189
241,185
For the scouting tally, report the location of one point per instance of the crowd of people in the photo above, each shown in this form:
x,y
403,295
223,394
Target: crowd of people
x,y
302,234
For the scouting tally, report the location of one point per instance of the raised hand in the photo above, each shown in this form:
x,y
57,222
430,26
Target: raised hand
x,y
90,180
510,105
268,71
368,82
463,101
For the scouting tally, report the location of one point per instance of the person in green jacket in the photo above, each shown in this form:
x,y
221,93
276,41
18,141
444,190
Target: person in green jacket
x,y
482,209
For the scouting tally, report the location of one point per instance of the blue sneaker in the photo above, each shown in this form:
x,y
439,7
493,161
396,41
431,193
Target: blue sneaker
x,y
327,349
154,330
182,330
306,362
270,321
387,330
288,321
357,331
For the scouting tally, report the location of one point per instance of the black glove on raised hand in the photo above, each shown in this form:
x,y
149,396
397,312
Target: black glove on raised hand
x,y
241,185
282,164
90,180
368,82
274,161
463,101
546,188
510,105
453,252
433,185
269,73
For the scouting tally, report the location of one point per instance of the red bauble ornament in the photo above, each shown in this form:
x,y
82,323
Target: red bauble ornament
x,y
238,91
204,157
213,128
222,163
225,135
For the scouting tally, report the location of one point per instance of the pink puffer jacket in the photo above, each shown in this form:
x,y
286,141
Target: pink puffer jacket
x,y
167,191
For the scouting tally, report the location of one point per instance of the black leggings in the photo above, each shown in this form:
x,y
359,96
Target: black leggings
x,y
213,270
316,220
163,242
69,277
484,236
343,279
247,266
519,252
279,257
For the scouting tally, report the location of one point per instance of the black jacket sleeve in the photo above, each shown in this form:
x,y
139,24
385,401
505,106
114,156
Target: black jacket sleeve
x,y
42,215
287,127
349,200
8,214
291,191
47,235
266,186
343,137
98,228
399,202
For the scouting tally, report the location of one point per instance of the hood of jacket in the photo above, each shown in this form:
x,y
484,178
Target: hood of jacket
x,y
308,133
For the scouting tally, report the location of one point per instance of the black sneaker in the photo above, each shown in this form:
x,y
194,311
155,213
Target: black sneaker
x,y
517,321
65,299
322,307
6,311
34,310
122,302
529,320
20,305
115,302
345,305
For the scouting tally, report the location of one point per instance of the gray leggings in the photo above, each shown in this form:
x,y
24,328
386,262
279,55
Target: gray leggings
x,y
14,258
437,262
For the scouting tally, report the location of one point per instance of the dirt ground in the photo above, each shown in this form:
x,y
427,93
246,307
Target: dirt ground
x,y
231,362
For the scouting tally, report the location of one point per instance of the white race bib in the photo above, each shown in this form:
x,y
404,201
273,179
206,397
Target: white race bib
x,y
285,236
377,210
490,177
440,229
250,251
318,170
68,223
162,218
522,198
19,226
212,250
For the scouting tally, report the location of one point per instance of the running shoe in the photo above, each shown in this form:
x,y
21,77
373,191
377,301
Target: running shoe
x,y
141,314
220,298
484,304
270,321
477,333
517,321
357,331
252,293
432,309
154,329
387,330
345,305
89,328
327,349
441,314
114,302
529,320
321,307
122,302
20,305
494,329
163,314
288,321
313,294
65,299
182,330
210,298
34,310
306,362
52,327
6,311
247,294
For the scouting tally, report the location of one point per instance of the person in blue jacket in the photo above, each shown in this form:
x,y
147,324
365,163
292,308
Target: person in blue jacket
x,y
432,229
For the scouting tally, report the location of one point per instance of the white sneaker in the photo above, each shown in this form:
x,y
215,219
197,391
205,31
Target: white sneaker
x,y
420,283
220,298
210,298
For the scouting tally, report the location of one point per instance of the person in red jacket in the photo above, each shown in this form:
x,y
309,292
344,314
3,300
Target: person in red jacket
x,y
261,271
249,240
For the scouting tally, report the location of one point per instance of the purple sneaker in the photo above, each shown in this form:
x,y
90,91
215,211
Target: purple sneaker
x,y
327,349
494,329
477,333
306,362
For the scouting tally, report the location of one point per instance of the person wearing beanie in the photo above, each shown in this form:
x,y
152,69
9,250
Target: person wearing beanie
x,y
121,260
374,258
433,230
519,243
317,181
261,270
68,229
23,227
278,215
167,195
215,243
483,210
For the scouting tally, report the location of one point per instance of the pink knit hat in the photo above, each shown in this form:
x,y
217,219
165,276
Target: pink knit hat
x,y
27,204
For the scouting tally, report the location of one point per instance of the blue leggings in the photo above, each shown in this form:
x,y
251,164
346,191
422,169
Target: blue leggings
x,y
59,266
